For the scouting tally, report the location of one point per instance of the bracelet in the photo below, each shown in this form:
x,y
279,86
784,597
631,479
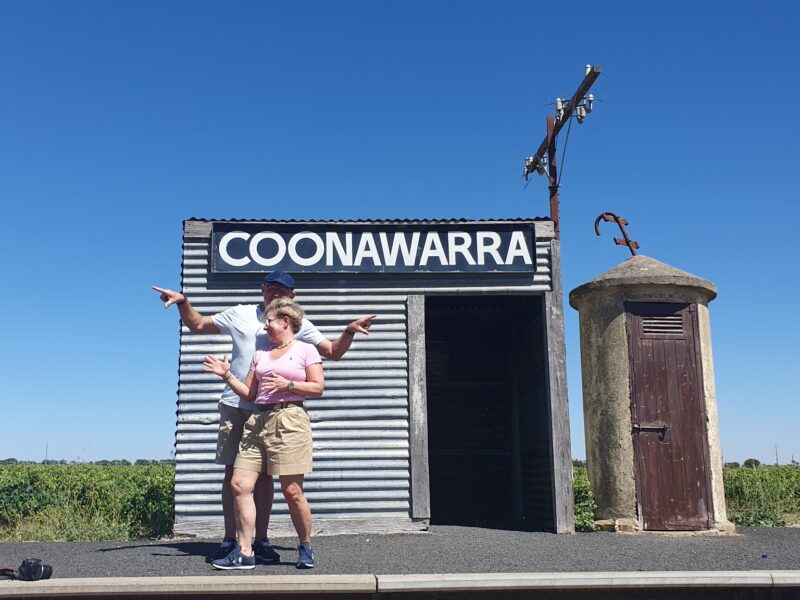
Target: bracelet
x,y
227,377
350,333
184,301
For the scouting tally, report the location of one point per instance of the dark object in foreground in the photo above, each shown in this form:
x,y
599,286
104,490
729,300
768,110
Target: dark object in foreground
x,y
31,569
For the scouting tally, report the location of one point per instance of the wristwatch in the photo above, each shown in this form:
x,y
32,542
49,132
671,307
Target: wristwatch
x,y
290,386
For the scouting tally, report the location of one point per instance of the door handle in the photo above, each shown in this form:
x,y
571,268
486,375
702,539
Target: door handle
x,y
659,428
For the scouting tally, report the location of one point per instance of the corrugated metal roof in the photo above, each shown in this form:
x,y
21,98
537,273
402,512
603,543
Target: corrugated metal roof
x,y
373,221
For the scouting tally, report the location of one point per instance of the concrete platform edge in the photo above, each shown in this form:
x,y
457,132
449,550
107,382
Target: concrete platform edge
x,y
577,581
369,584
209,585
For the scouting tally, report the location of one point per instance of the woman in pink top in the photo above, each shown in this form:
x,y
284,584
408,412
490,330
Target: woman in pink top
x,y
277,438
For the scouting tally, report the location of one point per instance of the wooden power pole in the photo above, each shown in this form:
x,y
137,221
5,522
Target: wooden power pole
x,y
579,105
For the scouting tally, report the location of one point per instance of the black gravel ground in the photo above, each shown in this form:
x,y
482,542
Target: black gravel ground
x,y
442,550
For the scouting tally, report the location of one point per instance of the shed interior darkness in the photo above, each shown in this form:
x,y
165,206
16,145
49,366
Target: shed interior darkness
x,y
488,419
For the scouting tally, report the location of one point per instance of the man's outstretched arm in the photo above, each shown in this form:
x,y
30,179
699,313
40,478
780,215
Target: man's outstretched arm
x,y
335,349
196,322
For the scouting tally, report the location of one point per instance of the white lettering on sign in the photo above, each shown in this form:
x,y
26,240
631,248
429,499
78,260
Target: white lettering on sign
x,y
223,248
314,258
518,247
399,242
488,243
367,249
459,243
433,249
334,244
415,249
267,235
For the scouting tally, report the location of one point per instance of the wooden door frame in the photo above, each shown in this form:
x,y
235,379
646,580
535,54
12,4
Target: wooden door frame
x,y
418,410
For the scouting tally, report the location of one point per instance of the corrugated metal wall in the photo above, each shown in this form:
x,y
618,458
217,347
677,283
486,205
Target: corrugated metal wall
x,y
360,425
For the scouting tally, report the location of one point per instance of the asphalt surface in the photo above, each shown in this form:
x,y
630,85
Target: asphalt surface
x,y
442,550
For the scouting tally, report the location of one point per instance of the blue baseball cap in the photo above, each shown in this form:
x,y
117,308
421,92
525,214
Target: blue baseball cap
x,y
281,278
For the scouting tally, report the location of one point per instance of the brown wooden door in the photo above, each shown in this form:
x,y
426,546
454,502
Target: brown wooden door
x,y
668,417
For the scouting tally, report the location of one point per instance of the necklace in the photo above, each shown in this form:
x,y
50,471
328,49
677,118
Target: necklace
x,y
284,345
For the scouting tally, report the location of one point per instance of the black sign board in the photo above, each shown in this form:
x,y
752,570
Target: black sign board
x,y
390,248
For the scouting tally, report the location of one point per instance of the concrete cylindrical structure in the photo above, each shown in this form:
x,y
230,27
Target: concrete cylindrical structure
x,y
605,304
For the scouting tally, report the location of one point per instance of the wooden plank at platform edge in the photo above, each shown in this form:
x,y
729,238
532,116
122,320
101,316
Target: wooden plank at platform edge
x,y
644,580
213,528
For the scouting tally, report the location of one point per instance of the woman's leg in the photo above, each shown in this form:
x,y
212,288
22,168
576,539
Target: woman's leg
x,y
292,488
242,484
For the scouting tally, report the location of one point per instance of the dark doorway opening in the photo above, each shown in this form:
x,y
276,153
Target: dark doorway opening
x,y
488,419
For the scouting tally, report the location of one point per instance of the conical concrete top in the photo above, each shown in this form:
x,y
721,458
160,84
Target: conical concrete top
x,y
642,271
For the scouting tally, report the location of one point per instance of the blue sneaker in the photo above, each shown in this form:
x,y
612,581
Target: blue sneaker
x,y
265,554
235,560
225,548
305,557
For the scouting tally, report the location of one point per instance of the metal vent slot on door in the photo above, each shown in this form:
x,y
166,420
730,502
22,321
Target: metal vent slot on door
x,y
662,325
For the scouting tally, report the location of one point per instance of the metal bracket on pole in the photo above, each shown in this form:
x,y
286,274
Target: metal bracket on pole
x,y
625,241
569,107
564,112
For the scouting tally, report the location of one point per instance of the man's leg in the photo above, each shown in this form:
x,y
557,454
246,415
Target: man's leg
x,y
264,496
228,506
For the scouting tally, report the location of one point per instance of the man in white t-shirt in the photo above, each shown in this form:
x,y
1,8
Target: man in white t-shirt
x,y
245,324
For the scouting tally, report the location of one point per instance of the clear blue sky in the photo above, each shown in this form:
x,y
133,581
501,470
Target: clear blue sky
x,y
120,119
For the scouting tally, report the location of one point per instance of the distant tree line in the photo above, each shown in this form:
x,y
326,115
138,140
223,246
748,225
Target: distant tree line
x,y
105,463
750,463
754,463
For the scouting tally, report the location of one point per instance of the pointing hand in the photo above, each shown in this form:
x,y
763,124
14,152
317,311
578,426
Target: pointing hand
x,y
169,297
361,325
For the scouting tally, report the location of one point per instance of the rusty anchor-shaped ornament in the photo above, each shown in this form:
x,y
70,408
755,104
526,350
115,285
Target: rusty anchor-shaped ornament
x,y
625,240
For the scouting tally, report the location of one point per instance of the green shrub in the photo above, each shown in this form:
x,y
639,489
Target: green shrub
x,y
95,502
757,496
85,502
762,496
585,506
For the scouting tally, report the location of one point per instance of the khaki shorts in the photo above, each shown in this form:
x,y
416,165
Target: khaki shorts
x,y
231,426
277,441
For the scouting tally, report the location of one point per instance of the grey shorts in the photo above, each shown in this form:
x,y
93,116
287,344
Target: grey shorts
x,y
231,426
